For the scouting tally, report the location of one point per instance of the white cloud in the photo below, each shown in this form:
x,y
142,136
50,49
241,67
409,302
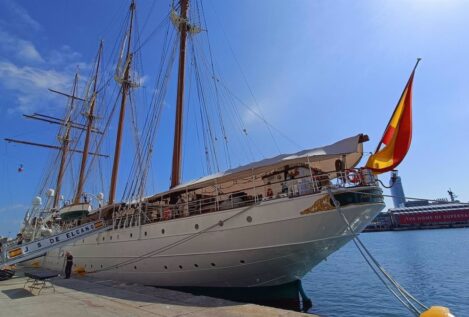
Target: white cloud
x,y
27,51
62,56
26,73
22,16
31,84
253,115
24,50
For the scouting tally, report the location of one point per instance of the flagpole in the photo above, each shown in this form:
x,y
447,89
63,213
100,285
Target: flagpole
x,y
395,109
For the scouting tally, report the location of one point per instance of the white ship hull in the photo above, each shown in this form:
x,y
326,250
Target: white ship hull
x,y
267,244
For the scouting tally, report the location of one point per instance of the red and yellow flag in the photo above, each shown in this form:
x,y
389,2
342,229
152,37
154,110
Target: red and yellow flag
x,y
397,136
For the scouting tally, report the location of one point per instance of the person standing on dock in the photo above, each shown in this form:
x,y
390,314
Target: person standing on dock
x,y
68,266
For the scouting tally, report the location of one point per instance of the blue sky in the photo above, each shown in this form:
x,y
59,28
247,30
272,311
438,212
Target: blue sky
x,y
320,71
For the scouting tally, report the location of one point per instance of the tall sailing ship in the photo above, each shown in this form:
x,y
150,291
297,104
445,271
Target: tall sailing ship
x,y
265,223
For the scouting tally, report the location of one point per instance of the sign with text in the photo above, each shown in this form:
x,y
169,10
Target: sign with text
x,y
434,217
55,240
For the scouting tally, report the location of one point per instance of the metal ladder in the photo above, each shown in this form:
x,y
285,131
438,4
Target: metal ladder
x,y
19,253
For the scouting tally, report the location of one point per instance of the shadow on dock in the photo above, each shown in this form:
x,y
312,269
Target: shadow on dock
x,y
109,298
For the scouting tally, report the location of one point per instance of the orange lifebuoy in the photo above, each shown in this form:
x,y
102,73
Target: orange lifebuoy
x,y
270,193
167,214
353,176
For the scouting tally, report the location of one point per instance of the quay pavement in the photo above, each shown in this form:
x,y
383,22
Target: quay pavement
x,y
88,296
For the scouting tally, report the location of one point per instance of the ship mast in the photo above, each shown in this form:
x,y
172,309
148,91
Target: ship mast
x,y
125,84
90,117
65,140
177,148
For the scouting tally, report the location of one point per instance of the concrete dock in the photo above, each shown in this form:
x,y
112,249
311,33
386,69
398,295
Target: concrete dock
x,y
88,296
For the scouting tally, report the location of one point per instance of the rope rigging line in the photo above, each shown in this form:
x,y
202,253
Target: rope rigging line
x,y
215,80
213,96
135,185
210,150
246,82
155,30
238,122
70,114
262,118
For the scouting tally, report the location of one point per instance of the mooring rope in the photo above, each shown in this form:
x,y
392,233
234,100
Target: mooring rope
x,y
406,299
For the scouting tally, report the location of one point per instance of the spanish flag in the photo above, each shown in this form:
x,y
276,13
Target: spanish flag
x,y
397,136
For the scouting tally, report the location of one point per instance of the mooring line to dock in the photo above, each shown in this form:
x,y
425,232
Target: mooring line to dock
x,y
406,299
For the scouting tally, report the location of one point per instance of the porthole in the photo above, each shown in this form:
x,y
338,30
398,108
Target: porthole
x,y
162,231
180,266
212,264
196,226
165,267
196,265
242,262
249,219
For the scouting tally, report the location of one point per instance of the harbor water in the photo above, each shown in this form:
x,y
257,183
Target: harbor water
x,y
433,265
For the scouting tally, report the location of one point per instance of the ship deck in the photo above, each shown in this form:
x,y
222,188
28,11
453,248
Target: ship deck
x,y
110,298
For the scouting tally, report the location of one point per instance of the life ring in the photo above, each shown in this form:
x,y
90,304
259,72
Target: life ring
x,y
353,176
270,193
167,214
295,173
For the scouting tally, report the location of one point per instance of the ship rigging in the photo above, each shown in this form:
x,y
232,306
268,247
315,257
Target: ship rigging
x,y
221,229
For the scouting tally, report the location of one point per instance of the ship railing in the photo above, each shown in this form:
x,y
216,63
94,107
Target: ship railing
x,y
296,187
132,216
